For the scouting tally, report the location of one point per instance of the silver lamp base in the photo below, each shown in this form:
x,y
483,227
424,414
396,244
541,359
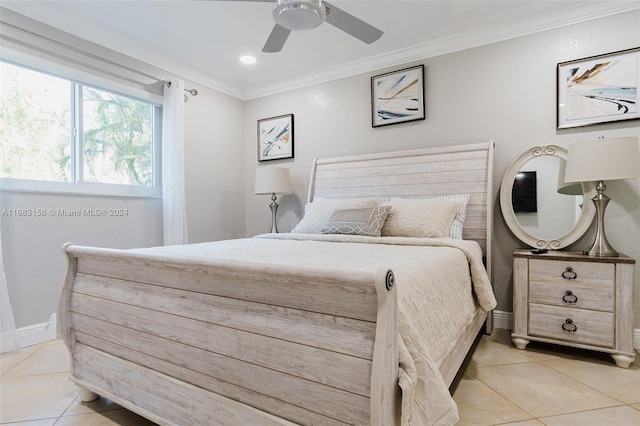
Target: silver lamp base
x,y
600,245
274,209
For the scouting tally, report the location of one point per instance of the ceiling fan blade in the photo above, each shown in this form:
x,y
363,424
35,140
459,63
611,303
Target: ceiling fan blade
x,y
276,39
351,25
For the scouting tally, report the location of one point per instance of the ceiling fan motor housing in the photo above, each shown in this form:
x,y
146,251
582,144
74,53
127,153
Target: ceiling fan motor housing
x,y
299,15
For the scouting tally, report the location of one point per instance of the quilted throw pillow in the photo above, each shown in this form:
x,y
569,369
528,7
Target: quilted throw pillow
x,y
420,218
367,221
458,223
318,212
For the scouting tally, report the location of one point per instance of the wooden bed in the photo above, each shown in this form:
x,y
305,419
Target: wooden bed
x,y
184,341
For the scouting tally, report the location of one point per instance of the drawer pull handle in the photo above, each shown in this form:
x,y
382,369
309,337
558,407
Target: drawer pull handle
x,y
569,274
569,326
569,297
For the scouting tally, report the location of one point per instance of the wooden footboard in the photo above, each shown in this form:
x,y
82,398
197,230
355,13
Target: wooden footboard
x,y
208,342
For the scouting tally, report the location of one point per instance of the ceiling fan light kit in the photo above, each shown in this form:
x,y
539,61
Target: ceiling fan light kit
x,y
299,15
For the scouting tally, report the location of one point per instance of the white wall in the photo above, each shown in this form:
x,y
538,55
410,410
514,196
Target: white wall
x,y
214,173
504,92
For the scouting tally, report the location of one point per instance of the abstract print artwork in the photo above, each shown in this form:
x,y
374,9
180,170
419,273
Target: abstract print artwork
x,y
598,89
398,96
275,138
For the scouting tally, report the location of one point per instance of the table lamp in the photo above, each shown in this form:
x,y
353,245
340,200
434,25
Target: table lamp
x,y
273,180
597,161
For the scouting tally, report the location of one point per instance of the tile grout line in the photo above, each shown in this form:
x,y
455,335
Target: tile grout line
x,y
591,387
65,410
506,397
24,360
39,348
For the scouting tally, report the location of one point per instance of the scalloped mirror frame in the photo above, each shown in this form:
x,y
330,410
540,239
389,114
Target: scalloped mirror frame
x,y
506,188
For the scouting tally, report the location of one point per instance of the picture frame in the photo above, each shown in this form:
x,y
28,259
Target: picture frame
x,y
275,138
598,89
397,96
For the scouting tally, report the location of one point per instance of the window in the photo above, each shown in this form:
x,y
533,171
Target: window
x,y
62,135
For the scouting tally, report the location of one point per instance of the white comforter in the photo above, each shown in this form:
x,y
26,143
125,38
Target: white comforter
x,y
440,284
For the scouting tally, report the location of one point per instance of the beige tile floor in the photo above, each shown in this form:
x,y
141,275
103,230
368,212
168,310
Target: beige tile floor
x,y
544,385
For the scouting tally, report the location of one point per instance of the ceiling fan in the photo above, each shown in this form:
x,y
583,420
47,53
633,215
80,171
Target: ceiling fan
x,y
301,15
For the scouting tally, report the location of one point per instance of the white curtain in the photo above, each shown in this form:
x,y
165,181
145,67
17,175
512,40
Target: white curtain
x,y
8,342
173,168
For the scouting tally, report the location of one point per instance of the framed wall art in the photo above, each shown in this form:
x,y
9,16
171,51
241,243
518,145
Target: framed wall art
x,y
598,89
398,96
275,138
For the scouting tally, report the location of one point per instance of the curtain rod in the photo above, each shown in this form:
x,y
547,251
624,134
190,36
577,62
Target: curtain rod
x,y
194,92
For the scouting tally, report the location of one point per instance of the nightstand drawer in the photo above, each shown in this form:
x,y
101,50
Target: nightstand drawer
x,y
583,274
572,325
570,295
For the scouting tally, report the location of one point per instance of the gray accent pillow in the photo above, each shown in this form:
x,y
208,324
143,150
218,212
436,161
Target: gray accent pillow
x,y
318,212
365,221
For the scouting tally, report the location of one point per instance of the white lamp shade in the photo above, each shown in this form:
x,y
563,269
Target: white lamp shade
x,y
273,180
603,159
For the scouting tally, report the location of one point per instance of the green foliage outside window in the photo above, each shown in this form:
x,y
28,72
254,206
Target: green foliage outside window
x,y
37,121
35,125
117,138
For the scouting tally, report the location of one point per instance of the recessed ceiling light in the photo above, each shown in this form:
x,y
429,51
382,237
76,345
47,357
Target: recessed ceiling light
x,y
248,60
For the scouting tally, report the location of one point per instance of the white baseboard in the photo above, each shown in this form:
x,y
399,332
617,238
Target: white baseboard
x,y
504,320
37,333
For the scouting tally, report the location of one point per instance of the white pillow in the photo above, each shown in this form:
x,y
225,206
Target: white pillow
x,y
458,223
367,221
420,218
318,212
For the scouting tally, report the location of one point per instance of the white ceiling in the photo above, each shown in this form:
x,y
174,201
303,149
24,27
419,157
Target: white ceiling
x,y
202,40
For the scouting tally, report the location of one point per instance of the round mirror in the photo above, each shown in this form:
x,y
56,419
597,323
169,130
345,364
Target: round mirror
x,y
538,206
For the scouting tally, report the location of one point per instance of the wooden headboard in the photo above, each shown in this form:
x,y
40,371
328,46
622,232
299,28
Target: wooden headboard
x,y
459,169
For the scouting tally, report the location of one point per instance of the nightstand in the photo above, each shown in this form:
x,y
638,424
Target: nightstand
x,y
571,299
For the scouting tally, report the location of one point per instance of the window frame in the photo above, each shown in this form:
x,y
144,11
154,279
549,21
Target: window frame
x,y
78,186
